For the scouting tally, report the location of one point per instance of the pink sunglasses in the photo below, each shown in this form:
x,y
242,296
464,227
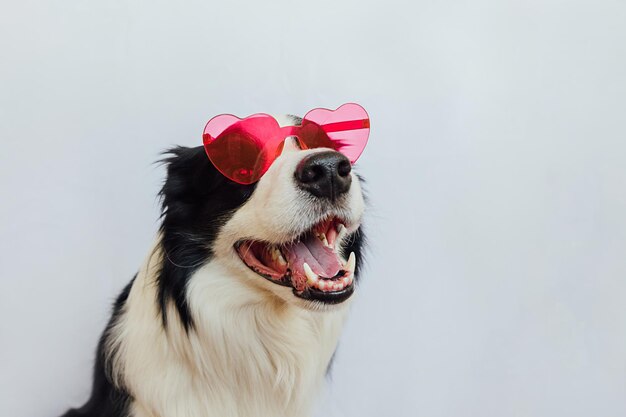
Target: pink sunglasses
x,y
243,149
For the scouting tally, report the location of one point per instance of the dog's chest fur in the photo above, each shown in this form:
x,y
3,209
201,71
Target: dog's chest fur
x,y
243,356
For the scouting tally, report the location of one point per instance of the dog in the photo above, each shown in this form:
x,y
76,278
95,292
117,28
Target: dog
x,y
233,312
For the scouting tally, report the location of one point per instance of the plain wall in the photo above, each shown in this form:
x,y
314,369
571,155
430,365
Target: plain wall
x,y
496,170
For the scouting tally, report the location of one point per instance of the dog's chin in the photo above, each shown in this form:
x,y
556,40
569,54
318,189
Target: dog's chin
x,y
309,269
287,296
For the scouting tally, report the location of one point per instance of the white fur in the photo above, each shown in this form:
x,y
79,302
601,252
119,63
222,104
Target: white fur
x,y
250,354
256,350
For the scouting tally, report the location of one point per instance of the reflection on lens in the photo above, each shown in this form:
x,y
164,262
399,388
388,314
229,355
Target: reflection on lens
x,y
238,155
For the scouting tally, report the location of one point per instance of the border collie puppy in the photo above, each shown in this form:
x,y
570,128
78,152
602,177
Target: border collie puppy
x,y
224,318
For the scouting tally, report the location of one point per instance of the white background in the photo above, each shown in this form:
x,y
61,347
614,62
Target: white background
x,y
496,282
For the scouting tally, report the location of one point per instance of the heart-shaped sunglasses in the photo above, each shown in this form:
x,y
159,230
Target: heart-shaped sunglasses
x,y
243,149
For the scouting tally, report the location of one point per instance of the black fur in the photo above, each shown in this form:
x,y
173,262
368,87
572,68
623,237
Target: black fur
x,y
196,201
106,400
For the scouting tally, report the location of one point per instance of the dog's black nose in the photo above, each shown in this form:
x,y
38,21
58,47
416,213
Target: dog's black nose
x,y
324,174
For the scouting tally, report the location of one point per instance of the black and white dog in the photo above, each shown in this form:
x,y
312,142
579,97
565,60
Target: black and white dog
x,y
233,312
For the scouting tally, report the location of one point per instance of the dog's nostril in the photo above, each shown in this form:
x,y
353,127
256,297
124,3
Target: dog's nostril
x,y
312,174
324,174
344,168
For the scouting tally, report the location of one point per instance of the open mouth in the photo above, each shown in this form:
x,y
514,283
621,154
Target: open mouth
x,y
311,264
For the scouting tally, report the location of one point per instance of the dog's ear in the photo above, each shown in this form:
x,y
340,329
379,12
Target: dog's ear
x,y
194,187
190,175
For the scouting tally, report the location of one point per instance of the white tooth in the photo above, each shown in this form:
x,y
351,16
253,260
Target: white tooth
x,y
279,257
321,284
311,276
322,237
337,286
341,232
351,263
346,280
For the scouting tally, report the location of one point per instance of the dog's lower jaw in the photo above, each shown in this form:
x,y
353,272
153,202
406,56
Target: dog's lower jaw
x,y
247,354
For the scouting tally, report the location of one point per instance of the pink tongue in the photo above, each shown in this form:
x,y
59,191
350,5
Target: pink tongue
x,y
322,260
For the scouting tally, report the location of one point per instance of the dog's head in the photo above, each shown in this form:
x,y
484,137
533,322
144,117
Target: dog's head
x,y
295,234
